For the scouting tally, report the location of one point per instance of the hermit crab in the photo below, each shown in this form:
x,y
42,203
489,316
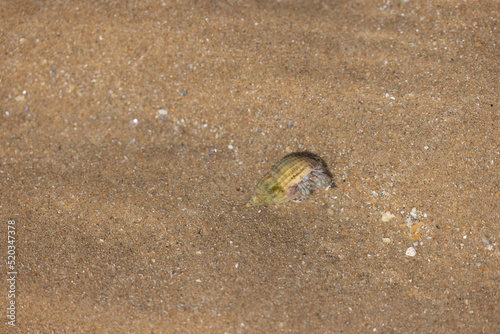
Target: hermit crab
x,y
293,178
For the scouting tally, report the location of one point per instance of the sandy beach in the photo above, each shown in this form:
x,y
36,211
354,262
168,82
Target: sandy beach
x,y
134,132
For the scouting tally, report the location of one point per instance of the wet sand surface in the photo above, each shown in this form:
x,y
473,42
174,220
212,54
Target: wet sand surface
x,y
134,132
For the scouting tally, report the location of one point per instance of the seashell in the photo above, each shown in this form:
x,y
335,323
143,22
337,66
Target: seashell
x,y
293,178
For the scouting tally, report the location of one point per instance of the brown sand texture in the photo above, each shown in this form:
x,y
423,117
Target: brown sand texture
x,y
134,132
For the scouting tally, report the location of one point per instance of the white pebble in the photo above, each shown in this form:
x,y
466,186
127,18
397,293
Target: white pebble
x,y
134,122
386,216
163,112
230,146
411,252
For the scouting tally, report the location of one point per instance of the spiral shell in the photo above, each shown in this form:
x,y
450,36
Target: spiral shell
x,y
293,178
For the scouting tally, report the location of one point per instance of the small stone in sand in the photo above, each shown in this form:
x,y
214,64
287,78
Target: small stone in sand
x,y
411,252
134,122
386,216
